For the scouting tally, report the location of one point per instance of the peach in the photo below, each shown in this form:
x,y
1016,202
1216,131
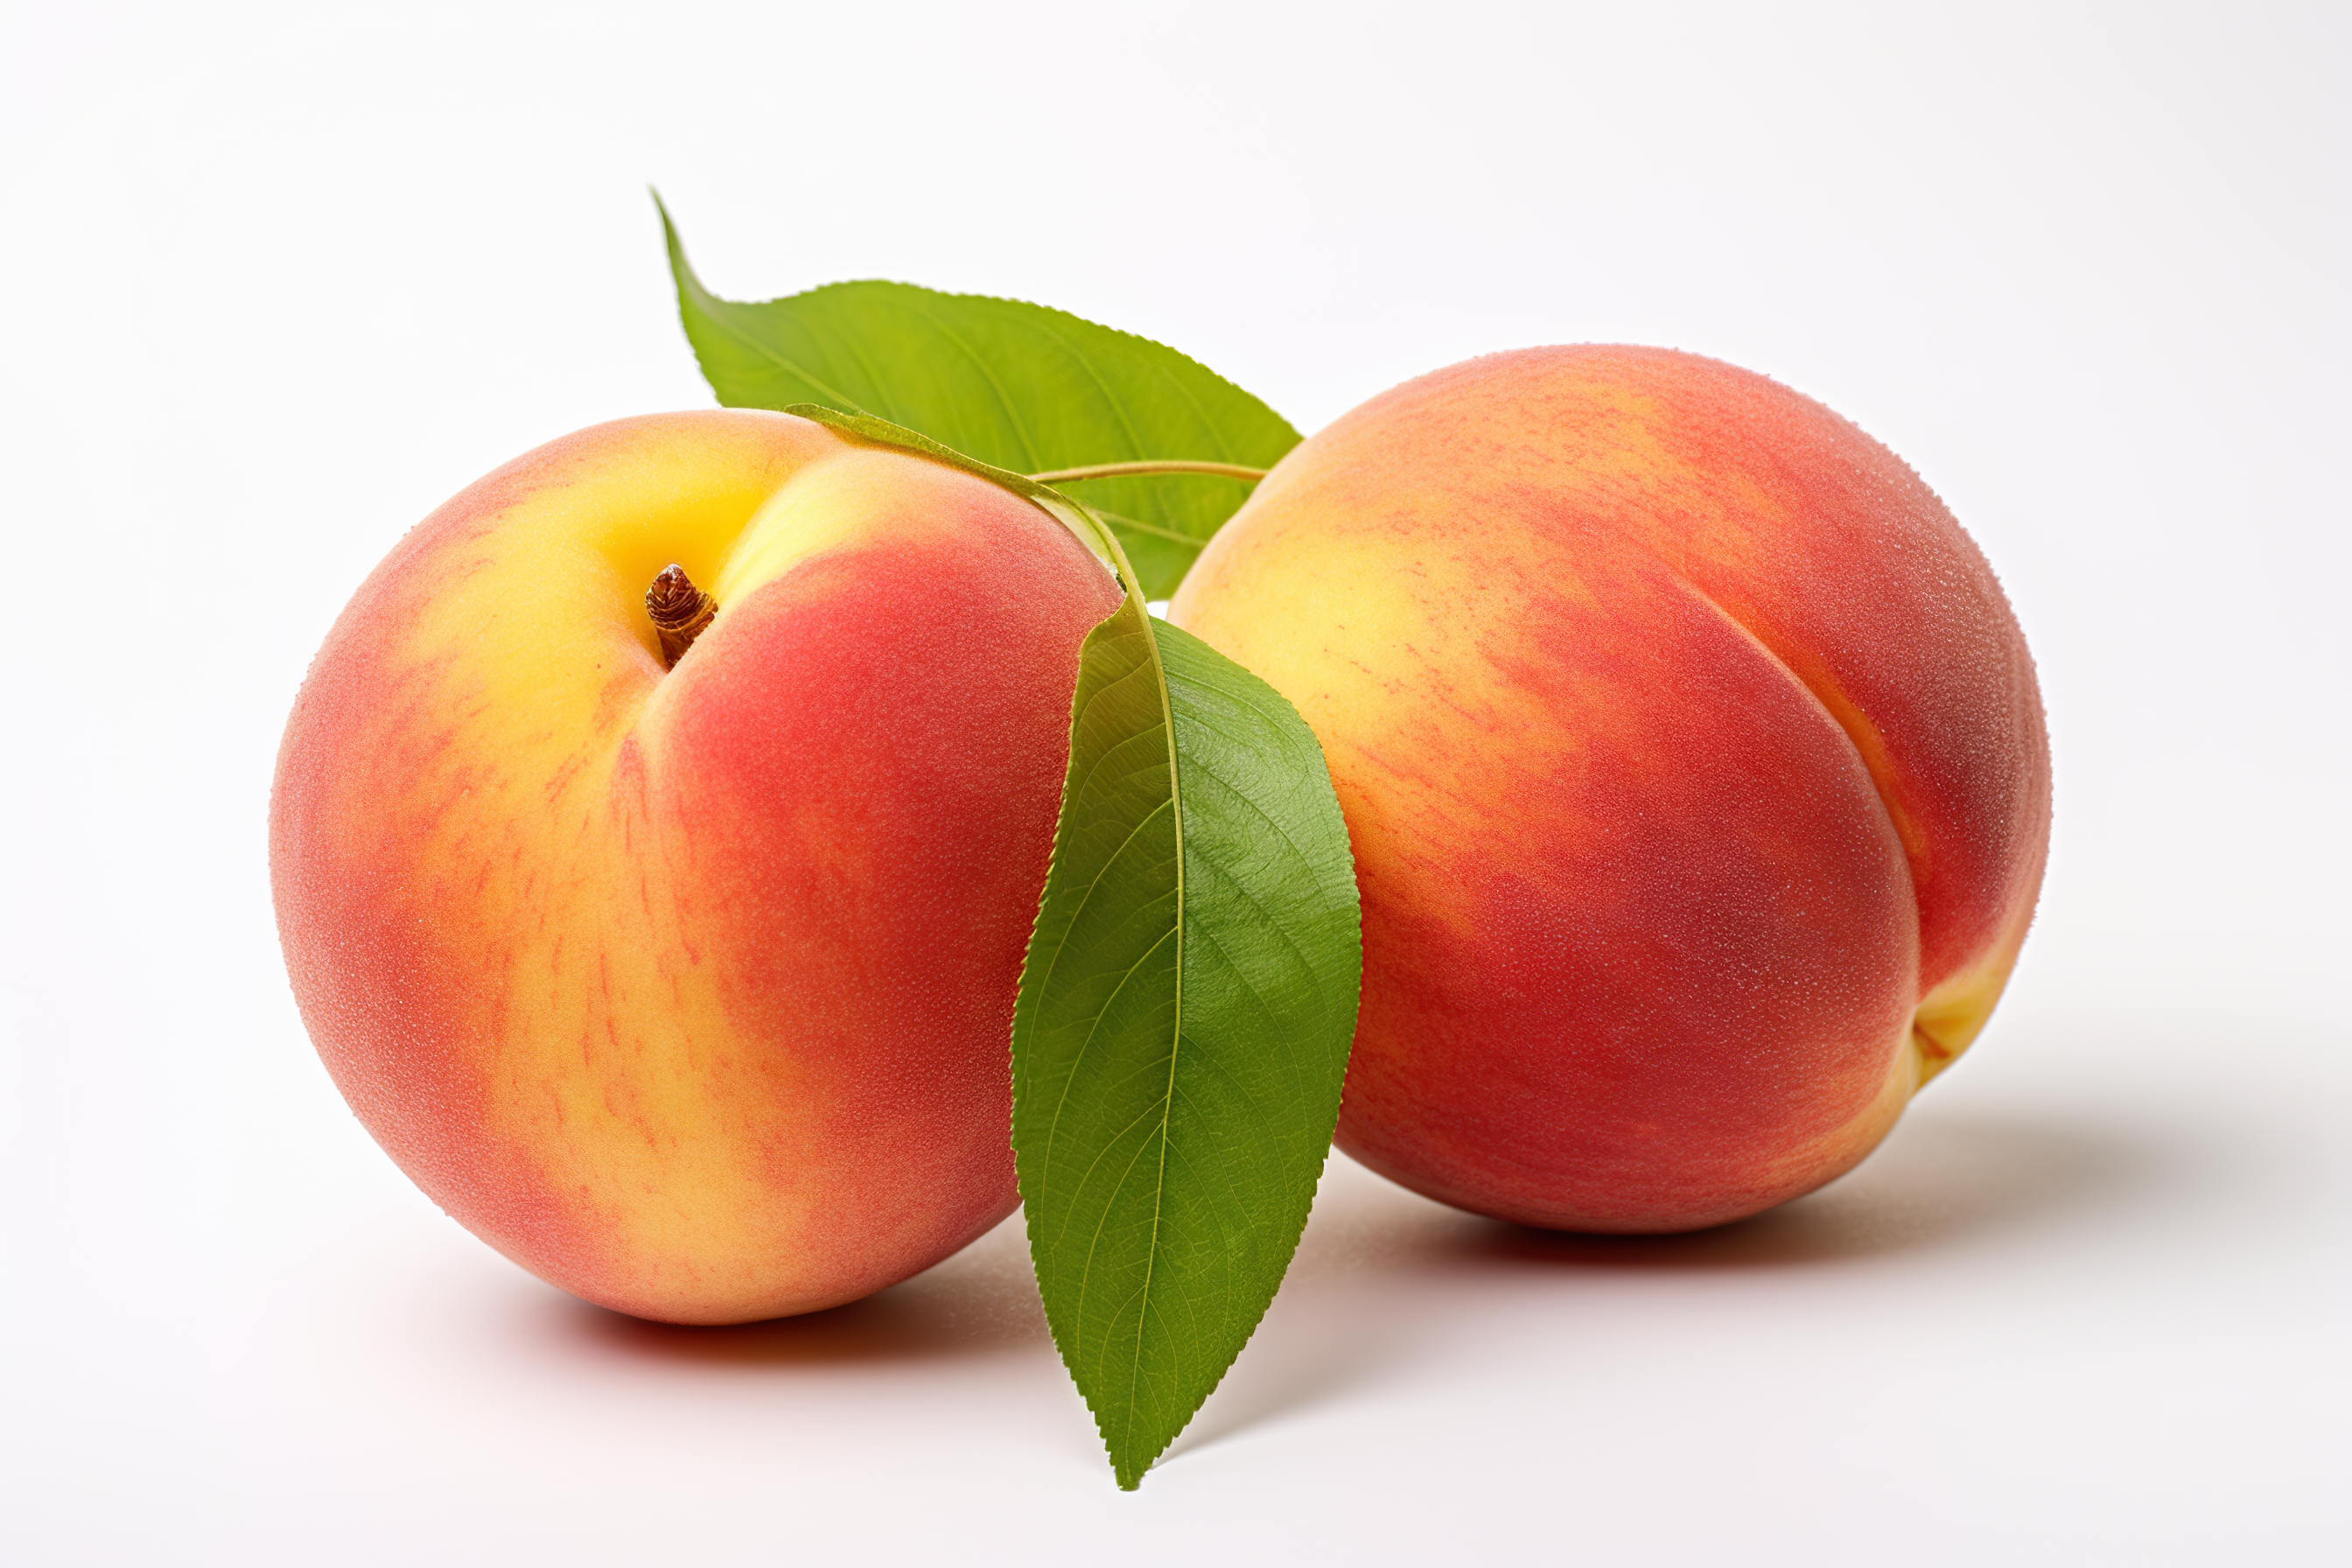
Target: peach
x,y
689,989
1693,764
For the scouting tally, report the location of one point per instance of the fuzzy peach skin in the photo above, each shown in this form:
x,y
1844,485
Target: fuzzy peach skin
x,y
1693,764
689,991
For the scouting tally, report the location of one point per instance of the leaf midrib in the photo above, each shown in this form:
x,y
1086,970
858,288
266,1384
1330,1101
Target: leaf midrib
x,y
1176,1043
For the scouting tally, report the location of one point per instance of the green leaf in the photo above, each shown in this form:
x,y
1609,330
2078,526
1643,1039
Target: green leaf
x,y
1183,1024
1185,1010
1018,386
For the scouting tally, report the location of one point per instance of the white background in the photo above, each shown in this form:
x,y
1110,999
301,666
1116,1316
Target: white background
x,y
276,282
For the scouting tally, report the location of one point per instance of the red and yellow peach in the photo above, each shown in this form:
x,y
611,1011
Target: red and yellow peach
x,y
1693,763
689,989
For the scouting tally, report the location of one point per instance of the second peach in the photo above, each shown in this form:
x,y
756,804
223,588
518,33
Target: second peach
x,y
1693,763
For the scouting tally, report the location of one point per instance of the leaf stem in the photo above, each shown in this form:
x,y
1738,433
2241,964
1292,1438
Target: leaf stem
x,y
1149,466
1137,525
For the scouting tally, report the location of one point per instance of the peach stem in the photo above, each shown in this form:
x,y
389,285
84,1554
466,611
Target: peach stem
x,y
680,612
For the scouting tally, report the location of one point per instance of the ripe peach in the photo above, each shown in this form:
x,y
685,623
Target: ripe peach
x,y
1693,764
689,989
